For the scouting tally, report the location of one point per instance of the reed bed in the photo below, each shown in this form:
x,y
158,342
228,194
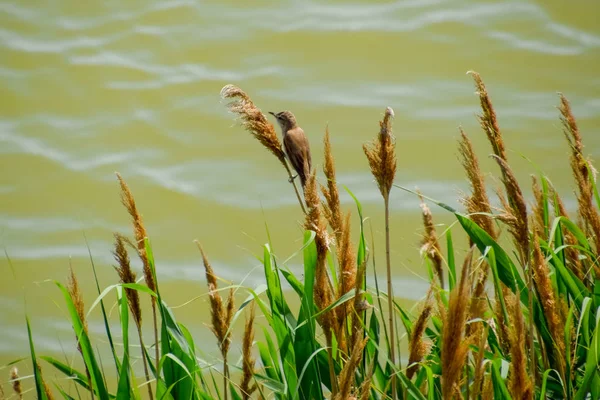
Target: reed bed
x,y
505,321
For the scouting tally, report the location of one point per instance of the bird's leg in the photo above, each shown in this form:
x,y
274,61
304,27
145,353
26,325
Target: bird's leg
x,y
292,178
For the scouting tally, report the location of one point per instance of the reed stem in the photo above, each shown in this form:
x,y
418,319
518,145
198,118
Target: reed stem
x,y
386,200
157,355
145,364
293,182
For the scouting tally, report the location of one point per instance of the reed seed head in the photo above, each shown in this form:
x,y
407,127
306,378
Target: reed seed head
x,y
331,208
430,245
517,210
127,275
478,203
519,381
381,154
220,314
418,348
77,298
139,232
346,378
247,359
253,120
488,119
454,344
16,382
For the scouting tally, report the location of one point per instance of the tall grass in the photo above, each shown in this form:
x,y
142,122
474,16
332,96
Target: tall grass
x,y
514,321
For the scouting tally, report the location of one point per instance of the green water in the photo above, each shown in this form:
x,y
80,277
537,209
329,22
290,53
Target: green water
x,y
93,88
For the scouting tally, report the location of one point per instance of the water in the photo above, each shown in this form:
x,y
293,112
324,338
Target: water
x,y
93,88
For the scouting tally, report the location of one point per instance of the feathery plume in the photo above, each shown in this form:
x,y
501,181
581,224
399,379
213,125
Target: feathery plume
x,y
538,205
346,377
541,277
127,275
247,359
454,345
418,348
488,119
77,298
253,120
139,231
314,221
365,387
517,211
220,315
519,383
381,154
479,366
581,172
478,203
16,382
573,261
430,245
331,208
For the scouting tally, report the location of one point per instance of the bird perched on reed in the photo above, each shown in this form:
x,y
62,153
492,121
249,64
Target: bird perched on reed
x,y
295,144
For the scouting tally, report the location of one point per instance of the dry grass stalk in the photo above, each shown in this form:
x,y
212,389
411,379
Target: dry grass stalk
x,y
127,275
581,171
346,377
430,245
520,384
417,348
541,277
221,315
247,359
16,382
381,155
331,208
253,120
488,120
454,344
140,235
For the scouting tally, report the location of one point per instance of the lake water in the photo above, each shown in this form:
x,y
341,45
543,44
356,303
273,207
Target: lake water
x,y
90,88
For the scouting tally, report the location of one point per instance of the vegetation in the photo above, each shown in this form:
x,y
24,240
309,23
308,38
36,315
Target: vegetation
x,y
515,321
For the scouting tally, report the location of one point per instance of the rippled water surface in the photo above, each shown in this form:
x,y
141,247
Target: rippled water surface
x,y
90,88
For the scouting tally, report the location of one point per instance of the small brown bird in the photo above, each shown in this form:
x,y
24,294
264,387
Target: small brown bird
x,y
295,144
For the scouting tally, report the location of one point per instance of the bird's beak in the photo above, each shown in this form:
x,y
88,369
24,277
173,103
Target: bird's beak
x,y
271,112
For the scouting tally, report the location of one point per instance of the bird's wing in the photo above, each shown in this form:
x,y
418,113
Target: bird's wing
x,y
298,152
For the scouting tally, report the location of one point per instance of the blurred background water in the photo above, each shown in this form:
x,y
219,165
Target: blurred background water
x,y
90,88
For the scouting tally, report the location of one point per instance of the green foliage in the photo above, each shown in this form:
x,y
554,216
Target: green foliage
x,y
297,361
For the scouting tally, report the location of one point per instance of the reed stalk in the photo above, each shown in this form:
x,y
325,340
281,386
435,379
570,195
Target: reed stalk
x,y
140,235
381,154
127,275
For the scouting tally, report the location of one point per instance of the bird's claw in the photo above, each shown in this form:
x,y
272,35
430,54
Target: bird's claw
x,y
292,178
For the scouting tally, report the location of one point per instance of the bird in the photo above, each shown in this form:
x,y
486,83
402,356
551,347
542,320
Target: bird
x,y
295,145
